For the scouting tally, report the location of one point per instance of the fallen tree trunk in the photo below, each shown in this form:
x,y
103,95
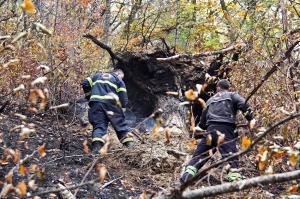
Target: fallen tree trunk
x,y
232,187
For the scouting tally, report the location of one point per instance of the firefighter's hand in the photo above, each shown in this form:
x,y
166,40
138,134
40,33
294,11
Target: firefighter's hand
x,y
251,123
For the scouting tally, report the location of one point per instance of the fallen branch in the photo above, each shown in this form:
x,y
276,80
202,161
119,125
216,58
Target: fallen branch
x,y
87,173
108,183
91,182
234,186
205,54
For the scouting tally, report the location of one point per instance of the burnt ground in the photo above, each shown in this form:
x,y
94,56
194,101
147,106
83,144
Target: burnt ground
x,y
147,168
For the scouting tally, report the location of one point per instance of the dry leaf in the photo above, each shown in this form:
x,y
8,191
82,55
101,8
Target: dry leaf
x,y
41,150
202,103
252,123
33,110
22,117
16,156
8,177
19,36
245,142
292,159
38,80
18,89
269,170
221,138
6,189
103,150
293,189
12,62
33,168
39,93
28,7
85,147
22,189
25,132
32,185
171,93
191,95
208,139
22,169
261,165
192,144
106,138
168,141
199,88
102,173
27,77
32,97
44,29
60,106
44,101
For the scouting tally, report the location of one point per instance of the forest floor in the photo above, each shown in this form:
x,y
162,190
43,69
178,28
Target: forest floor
x,y
146,168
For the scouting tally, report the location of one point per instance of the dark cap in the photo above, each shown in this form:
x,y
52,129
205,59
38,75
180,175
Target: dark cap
x,y
223,84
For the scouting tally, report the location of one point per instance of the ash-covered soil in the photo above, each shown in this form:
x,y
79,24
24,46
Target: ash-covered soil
x,y
147,168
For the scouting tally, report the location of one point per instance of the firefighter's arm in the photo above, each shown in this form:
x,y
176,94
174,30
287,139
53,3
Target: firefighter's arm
x,y
243,106
122,92
87,85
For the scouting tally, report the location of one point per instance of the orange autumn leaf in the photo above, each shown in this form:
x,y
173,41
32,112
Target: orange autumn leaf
x,y
262,149
168,141
293,189
22,189
85,147
192,144
191,94
292,159
41,150
28,7
261,165
22,169
279,154
103,150
102,173
245,142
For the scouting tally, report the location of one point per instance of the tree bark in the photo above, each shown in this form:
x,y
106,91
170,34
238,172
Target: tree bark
x,y
235,186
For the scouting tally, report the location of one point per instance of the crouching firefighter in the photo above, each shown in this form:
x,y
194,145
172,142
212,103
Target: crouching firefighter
x,y
219,121
103,110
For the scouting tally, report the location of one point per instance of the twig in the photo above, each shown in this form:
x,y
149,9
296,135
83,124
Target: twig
x,y
108,183
87,173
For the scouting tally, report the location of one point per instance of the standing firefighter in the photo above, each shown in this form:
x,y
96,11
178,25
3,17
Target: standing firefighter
x,y
107,97
219,120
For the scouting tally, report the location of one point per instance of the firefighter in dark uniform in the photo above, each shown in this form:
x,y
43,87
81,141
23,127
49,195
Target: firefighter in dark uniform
x,y
97,89
219,119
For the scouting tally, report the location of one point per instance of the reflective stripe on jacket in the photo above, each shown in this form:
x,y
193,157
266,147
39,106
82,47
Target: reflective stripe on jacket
x,y
98,86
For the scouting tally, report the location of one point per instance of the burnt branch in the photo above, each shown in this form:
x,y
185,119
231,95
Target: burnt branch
x,y
105,47
205,54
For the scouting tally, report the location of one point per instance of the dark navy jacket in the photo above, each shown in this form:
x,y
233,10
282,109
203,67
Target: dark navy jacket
x,y
222,108
98,86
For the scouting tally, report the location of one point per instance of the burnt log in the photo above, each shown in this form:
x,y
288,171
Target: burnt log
x,y
147,81
150,74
